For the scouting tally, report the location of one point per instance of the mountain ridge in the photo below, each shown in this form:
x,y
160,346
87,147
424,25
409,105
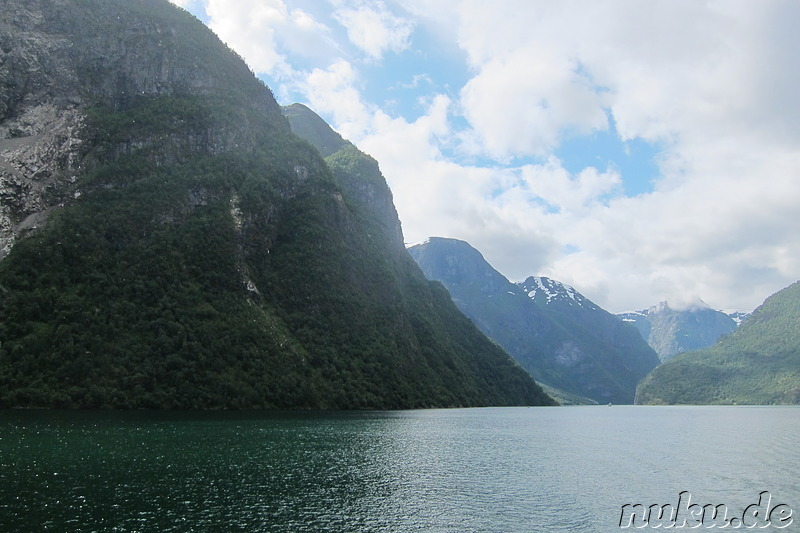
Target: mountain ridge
x,y
562,338
170,243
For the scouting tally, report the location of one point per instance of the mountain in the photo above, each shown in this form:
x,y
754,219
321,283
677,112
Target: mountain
x,y
562,338
169,242
759,363
670,331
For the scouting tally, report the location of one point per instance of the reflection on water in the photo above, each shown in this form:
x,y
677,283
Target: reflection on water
x,y
481,470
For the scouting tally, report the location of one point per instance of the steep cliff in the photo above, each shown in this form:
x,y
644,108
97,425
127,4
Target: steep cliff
x,y
63,59
168,242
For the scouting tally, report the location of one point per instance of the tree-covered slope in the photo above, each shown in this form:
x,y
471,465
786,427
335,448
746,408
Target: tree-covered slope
x,y
171,244
562,338
759,363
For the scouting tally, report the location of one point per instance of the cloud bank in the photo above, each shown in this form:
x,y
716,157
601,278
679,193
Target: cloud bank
x,y
711,85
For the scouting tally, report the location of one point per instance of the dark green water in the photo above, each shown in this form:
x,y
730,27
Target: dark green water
x,y
470,470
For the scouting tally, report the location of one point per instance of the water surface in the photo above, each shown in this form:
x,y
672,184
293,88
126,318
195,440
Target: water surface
x,y
462,470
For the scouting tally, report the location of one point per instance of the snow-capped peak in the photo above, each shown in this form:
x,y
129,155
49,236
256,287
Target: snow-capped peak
x,y
552,290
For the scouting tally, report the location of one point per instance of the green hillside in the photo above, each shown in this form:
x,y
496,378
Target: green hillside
x,y
757,364
196,253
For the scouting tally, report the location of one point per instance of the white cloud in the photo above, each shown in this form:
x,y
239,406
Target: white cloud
x,y
522,103
333,91
552,184
374,29
248,26
266,32
725,237
713,82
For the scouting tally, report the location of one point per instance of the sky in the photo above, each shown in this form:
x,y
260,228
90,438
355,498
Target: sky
x,y
638,150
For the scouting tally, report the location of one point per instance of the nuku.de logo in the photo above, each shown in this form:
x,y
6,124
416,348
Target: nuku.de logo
x,y
692,515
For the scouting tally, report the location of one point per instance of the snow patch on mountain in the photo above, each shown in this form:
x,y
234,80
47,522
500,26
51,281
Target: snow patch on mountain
x,y
420,243
738,315
551,291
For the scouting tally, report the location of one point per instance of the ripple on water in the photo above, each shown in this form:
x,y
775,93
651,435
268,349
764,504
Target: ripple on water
x,y
471,470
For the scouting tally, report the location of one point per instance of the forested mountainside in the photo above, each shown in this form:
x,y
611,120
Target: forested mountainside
x,y
561,337
759,363
168,242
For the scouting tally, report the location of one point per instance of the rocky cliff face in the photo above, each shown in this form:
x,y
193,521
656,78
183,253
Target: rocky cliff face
x,y
168,242
41,121
40,153
62,58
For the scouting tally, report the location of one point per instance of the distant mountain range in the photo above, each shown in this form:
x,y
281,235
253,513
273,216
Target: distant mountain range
x,y
759,363
561,337
670,331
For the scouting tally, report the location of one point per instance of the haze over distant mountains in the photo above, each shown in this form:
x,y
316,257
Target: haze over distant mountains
x,y
670,330
561,337
759,363
569,343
